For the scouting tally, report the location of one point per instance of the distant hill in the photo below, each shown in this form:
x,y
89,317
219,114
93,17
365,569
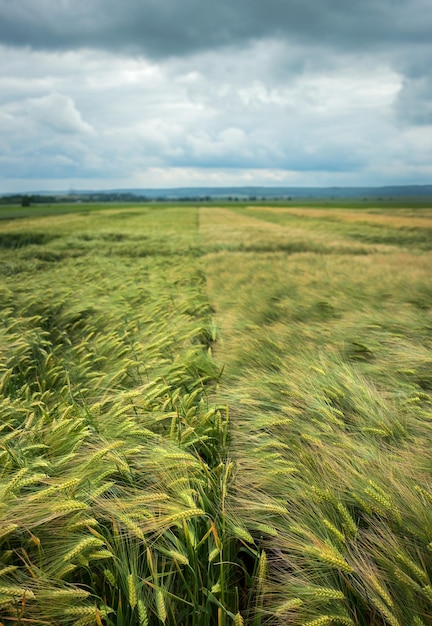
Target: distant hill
x,y
393,192
279,192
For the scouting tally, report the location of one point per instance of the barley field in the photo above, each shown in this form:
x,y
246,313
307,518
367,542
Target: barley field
x,y
216,416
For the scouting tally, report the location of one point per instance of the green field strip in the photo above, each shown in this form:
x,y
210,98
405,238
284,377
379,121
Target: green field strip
x,y
114,474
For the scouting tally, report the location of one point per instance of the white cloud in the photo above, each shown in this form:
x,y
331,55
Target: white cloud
x,y
261,113
57,112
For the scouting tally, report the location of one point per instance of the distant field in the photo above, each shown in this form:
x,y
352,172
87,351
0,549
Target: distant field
x,y
216,415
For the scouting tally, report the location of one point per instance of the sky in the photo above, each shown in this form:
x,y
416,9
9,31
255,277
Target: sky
x,y
103,94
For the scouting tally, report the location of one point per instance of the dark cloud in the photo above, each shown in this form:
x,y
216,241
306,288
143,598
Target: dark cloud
x,y
176,27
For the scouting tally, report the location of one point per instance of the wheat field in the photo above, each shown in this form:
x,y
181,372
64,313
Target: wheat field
x,y
216,415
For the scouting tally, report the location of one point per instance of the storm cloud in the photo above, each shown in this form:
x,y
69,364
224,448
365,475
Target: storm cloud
x,y
179,27
149,93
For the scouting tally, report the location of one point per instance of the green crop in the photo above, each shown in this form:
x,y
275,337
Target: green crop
x,y
215,416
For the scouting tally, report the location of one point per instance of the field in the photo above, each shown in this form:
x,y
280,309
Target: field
x,y
216,416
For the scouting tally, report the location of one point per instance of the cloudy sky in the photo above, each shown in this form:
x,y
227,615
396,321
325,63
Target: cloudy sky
x,y
163,93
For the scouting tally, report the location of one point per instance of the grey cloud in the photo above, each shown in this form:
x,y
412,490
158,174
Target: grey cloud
x,y
177,27
414,102
284,38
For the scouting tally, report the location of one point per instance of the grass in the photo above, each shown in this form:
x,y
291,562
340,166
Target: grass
x,y
216,415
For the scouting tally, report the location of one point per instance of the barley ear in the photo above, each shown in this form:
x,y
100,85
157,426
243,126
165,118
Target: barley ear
x,y
160,606
238,620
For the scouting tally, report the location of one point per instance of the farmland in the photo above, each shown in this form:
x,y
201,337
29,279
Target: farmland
x,y
216,415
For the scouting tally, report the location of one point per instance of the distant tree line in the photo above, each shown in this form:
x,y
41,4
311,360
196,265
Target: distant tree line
x,y
27,200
